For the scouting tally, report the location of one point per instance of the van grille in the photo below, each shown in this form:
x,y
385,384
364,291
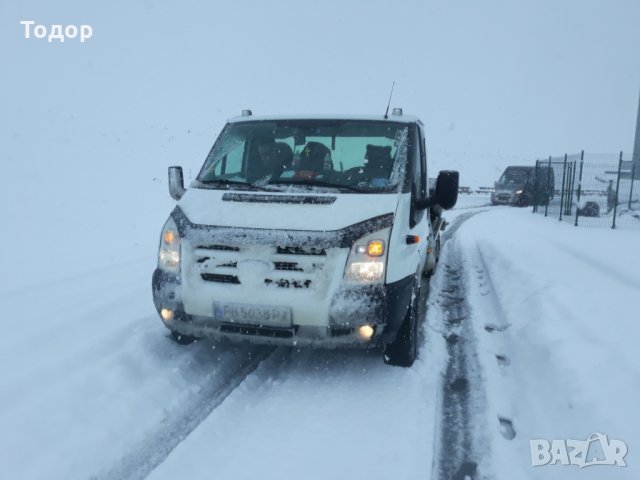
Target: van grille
x,y
220,248
215,277
291,266
295,268
301,251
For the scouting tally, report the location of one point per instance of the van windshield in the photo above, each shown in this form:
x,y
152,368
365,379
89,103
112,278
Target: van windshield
x,y
514,178
348,155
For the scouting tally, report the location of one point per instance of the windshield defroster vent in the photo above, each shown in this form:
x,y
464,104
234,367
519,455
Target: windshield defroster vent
x,y
295,199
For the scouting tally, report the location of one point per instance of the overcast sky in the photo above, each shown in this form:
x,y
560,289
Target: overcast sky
x,y
494,78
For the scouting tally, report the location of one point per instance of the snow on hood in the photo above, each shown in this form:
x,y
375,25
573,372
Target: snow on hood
x,y
207,207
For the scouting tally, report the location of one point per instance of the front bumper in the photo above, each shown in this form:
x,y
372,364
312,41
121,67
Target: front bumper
x,y
382,306
507,198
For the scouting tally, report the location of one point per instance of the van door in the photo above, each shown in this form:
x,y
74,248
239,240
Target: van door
x,y
409,258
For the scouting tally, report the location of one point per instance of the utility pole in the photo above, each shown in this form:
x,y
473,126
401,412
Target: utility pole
x,y
636,146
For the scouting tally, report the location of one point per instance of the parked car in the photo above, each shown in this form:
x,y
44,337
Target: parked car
x,y
325,245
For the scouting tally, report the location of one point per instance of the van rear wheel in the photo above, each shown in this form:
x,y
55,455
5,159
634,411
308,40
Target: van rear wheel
x,y
403,351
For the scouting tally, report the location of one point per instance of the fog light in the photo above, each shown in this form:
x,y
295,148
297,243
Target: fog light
x,y
366,332
166,314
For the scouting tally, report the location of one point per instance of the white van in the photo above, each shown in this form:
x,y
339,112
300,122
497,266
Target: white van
x,y
310,230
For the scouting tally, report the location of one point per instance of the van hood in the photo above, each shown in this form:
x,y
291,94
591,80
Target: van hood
x,y
284,211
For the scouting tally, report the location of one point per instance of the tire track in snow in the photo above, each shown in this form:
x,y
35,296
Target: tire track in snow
x,y
488,290
453,227
457,455
147,455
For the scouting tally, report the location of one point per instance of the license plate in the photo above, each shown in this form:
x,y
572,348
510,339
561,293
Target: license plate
x,y
270,316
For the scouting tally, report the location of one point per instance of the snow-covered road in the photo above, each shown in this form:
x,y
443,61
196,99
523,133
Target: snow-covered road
x,y
528,334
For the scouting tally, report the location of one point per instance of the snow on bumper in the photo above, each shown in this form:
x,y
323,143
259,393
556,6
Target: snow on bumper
x,y
381,306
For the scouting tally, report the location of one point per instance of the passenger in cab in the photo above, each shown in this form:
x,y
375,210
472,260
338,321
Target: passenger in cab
x,y
273,158
315,159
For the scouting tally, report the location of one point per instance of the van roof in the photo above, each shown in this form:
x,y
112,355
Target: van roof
x,y
391,118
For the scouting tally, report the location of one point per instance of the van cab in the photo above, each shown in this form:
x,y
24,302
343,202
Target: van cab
x,y
307,231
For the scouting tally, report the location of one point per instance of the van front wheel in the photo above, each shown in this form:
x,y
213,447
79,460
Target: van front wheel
x,y
403,351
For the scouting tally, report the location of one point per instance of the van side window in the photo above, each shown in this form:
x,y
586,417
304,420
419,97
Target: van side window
x,y
418,177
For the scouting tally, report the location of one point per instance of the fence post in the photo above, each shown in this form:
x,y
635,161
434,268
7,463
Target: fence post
x,y
571,181
546,204
579,185
615,206
536,182
564,177
633,176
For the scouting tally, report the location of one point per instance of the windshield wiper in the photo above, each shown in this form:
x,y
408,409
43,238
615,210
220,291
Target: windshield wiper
x,y
311,182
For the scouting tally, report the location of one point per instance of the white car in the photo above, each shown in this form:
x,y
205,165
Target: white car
x,y
310,230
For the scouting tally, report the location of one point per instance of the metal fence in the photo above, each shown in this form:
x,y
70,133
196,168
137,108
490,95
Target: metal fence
x,y
588,189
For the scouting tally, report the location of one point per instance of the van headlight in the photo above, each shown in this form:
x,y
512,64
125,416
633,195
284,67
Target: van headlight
x,y
169,251
368,258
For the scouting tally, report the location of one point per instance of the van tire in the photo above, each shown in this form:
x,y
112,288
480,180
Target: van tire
x,y
182,339
403,351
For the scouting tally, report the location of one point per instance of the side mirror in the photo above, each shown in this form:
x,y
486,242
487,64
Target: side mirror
x,y
176,183
446,194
